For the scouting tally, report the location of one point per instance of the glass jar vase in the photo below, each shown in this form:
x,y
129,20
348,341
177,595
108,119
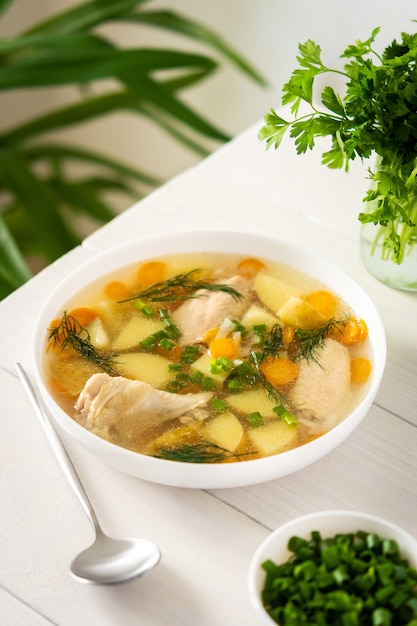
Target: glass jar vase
x,y
379,260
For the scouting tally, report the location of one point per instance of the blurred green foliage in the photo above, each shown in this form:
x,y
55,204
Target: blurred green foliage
x,y
40,197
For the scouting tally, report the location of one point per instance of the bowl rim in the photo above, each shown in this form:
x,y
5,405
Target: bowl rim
x,y
136,250
336,518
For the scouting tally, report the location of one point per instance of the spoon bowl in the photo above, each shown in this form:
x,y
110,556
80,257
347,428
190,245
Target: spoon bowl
x,y
110,560
107,560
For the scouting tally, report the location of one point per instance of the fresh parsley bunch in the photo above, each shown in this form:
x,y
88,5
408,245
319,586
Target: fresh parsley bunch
x,y
377,116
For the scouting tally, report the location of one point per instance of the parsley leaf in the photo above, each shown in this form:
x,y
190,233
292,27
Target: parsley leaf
x,y
377,116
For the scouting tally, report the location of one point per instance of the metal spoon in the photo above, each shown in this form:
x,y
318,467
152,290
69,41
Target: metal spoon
x,y
107,560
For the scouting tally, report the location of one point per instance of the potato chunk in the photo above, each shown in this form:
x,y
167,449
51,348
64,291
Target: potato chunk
x,y
299,313
251,401
136,329
98,335
256,315
225,431
150,368
272,291
273,437
202,365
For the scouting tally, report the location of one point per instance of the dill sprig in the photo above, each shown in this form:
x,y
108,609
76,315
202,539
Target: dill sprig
x,y
205,452
273,343
272,392
69,332
310,341
181,287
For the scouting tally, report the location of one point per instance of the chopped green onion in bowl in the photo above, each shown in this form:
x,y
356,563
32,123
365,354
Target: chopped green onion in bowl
x,y
336,568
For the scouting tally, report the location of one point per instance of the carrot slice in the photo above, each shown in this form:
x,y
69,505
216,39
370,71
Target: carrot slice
x,y
354,331
83,315
323,301
151,272
116,290
210,335
55,345
280,372
223,346
360,370
288,334
250,267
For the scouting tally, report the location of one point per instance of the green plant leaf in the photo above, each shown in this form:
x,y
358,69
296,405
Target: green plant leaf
x,y
71,63
13,268
273,130
84,196
86,15
157,116
17,50
310,56
68,49
42,207
104,105
332,101
179,24
78,113
64,152
162,98
4,5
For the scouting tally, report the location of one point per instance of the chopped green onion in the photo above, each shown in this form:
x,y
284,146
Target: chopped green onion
x,y
148,343
382,617
255,419
182,378
219,405
208,384
235,385
285,415
159,338
175,367
190,354
173,386
240,328
322,583
145,308
220,365
197,377
171,329
167,344
259,332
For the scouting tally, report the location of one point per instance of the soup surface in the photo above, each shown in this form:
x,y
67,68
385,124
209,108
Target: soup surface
x,y
208,358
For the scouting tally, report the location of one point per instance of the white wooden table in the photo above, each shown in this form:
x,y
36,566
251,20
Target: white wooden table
x,y
206,537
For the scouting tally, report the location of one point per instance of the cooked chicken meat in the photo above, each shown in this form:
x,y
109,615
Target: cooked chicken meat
x,y
197,315
323,386
108,405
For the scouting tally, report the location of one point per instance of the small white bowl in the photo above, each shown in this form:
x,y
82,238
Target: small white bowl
x,y
328,523
211,476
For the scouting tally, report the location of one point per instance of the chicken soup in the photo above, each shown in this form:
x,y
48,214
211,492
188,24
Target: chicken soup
x,y
208,358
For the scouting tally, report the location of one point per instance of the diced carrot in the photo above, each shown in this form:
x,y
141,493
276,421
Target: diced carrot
x,y
288,334
210,335
58,336
223,346
360,370
83,315
116,290
54,324
59,386
280,371
323,301
354,331
250,267
151,272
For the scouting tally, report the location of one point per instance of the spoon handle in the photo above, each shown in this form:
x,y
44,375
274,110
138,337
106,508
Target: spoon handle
x,y
59,449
